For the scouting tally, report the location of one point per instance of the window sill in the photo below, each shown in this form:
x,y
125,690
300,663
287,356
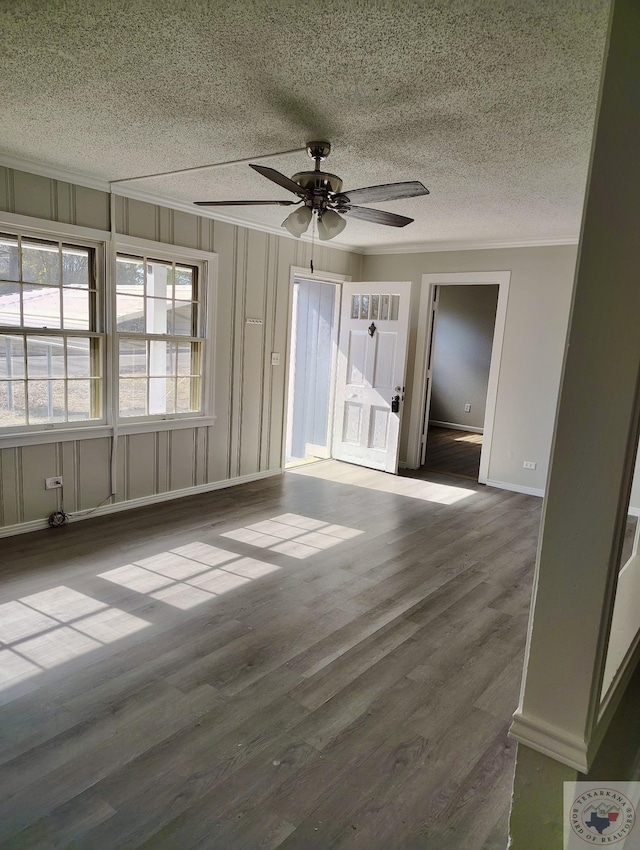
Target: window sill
x,y
65,435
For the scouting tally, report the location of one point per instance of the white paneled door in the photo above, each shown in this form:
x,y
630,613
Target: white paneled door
x,y
372,359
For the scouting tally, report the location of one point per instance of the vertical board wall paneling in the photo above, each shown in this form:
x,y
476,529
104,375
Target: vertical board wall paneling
x,y
223,242
246,436
11,488
141,465
162,462
252,388
38,463
285,259
94,465
237,358
269,342
182,458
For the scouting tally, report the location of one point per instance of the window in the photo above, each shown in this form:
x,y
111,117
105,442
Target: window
x,y
160,328
51,345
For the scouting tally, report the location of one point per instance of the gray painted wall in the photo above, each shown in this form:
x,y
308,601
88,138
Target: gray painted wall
x,y
462,353
532,351
246,438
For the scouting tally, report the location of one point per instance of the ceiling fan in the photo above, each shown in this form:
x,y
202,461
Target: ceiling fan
x,y
320,193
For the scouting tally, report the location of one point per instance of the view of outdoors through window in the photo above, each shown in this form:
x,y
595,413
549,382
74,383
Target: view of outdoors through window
x,y
50,348
159,337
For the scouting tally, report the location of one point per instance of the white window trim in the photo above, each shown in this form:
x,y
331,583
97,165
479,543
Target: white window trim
x,y
107,246
50,431
208,265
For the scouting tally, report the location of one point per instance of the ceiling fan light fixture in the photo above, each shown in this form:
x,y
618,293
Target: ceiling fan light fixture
x,y
331,224
298,221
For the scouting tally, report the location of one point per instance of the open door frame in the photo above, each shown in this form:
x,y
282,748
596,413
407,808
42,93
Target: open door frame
x,y
301,273
418,410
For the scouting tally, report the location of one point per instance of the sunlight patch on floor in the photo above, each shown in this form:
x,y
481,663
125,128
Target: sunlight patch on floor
x,y
371,479
46,629
189,575
293,535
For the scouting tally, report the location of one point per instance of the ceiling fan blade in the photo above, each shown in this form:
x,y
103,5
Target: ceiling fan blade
x,y
377,216
281,180
243,203
386,192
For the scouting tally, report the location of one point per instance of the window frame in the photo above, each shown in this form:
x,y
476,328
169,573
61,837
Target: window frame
x,y
71,236
206,264
106,244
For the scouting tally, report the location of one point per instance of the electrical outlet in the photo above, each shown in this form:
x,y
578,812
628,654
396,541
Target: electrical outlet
x,y
53,483
275,358
467,408
529,464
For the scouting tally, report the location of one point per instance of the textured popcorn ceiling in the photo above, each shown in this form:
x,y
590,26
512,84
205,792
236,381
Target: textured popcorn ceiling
x,y
490,104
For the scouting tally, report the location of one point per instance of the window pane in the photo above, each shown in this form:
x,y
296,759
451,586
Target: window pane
x,y
9,265
355,306
130,275
11,357
184,284
75,309
45,357
75,267
158,311
184,357
41,306
159,279
188,392
40,262
160,357
10,304
161,395
79,400
133,357
181,319
12,409
130,314
133,396
46,402
79,364
364,307
375,306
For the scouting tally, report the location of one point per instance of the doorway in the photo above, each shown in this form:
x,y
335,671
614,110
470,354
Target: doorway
x,y
418,432
312,367
461,343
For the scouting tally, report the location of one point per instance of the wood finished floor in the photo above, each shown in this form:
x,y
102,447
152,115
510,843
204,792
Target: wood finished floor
x,y
453,452
328,659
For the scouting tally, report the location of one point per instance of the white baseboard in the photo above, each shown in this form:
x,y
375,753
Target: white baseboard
x,y
39,524
517,488
549,740
455,426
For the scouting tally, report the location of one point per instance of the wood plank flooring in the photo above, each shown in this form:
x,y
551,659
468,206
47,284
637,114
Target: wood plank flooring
x,y
327,659
453,452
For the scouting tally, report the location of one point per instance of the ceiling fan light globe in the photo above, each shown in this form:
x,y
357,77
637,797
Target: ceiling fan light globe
x,y
298,221
330,225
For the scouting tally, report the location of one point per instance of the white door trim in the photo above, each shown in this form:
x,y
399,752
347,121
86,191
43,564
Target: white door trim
x,y
429,281
301,273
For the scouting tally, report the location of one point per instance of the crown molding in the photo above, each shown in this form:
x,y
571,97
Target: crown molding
x,y
31,167
465,245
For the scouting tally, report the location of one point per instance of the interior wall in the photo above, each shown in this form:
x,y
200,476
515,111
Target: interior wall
x,y
462,353
246,437
533,347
